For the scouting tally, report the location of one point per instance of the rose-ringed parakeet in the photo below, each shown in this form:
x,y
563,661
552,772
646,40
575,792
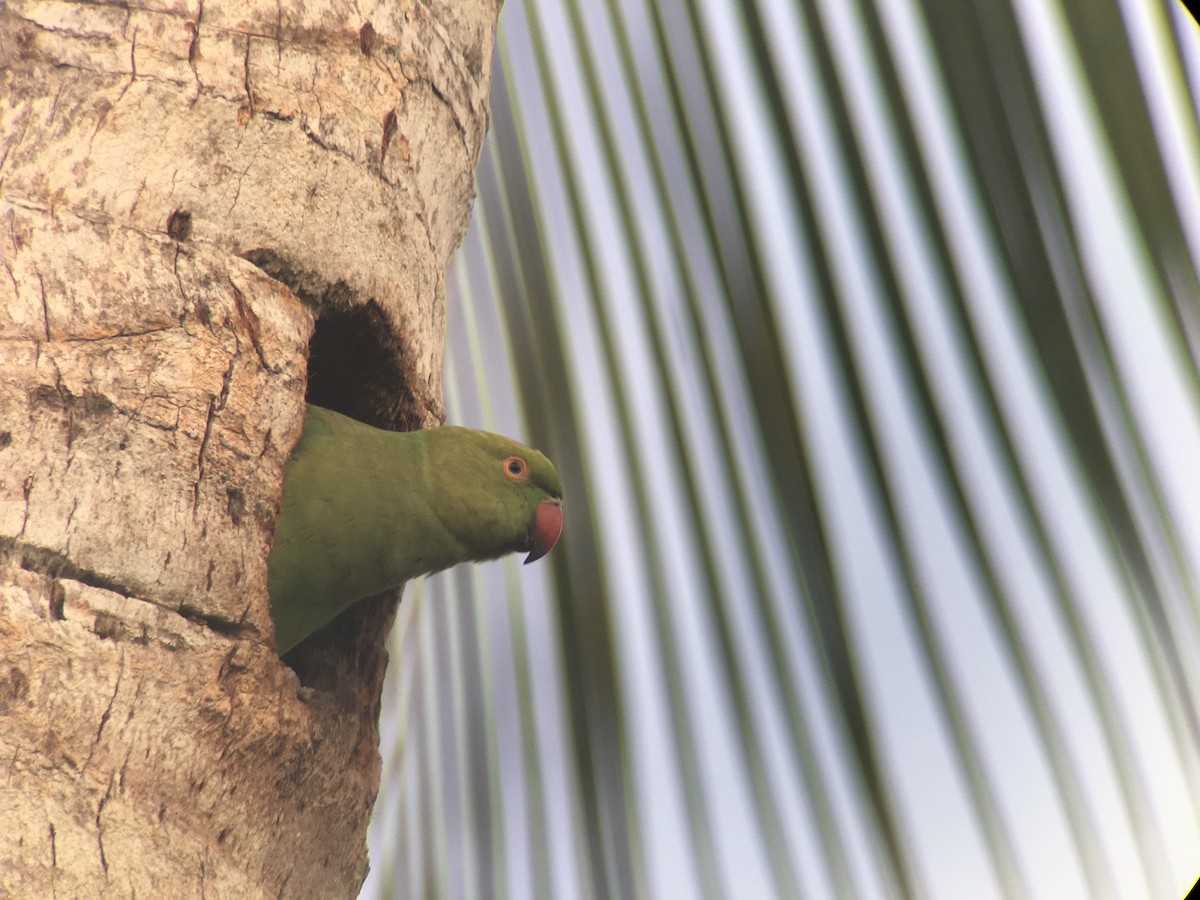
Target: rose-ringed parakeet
x,y
365,510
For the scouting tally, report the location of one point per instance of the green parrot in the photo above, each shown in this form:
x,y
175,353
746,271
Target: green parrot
x,y
365,510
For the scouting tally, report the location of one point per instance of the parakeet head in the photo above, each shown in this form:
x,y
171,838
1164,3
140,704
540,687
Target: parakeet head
x,y
494,495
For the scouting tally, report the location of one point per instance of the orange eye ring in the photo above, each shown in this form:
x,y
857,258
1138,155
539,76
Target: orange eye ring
x,y
516,468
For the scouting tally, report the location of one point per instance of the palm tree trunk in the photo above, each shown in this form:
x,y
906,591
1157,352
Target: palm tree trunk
x,y
185,193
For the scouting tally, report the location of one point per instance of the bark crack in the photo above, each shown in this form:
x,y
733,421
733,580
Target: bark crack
x,y
45,307
100,828
220,624
251,320
237,192
54,105
312,136
119,336
179,281
215,404
246,76
53,861
212,411
101,120
54,564
67,527
125,87
105,716
194,44
27,488
137,198
458,123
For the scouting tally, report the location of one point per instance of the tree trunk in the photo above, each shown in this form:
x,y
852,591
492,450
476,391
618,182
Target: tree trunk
x,y
187,190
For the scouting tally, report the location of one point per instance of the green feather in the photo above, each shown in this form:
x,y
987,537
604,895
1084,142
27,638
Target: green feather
x,y
365,510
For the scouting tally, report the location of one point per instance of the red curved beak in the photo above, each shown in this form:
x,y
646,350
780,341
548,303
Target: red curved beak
x,y
544,529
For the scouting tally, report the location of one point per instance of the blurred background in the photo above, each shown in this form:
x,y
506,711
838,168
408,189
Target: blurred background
x,y
866,336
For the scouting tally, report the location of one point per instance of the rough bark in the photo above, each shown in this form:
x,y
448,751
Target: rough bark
x,y
187,190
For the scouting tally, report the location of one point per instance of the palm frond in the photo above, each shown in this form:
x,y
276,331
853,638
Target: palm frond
x,y
866,337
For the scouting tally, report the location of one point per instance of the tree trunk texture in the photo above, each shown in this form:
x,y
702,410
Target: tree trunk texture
x,y
208,211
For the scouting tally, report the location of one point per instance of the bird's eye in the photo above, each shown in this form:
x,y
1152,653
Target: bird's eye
x,y
514,466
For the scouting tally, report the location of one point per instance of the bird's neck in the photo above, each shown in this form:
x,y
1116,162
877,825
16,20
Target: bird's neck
x,y
401,497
